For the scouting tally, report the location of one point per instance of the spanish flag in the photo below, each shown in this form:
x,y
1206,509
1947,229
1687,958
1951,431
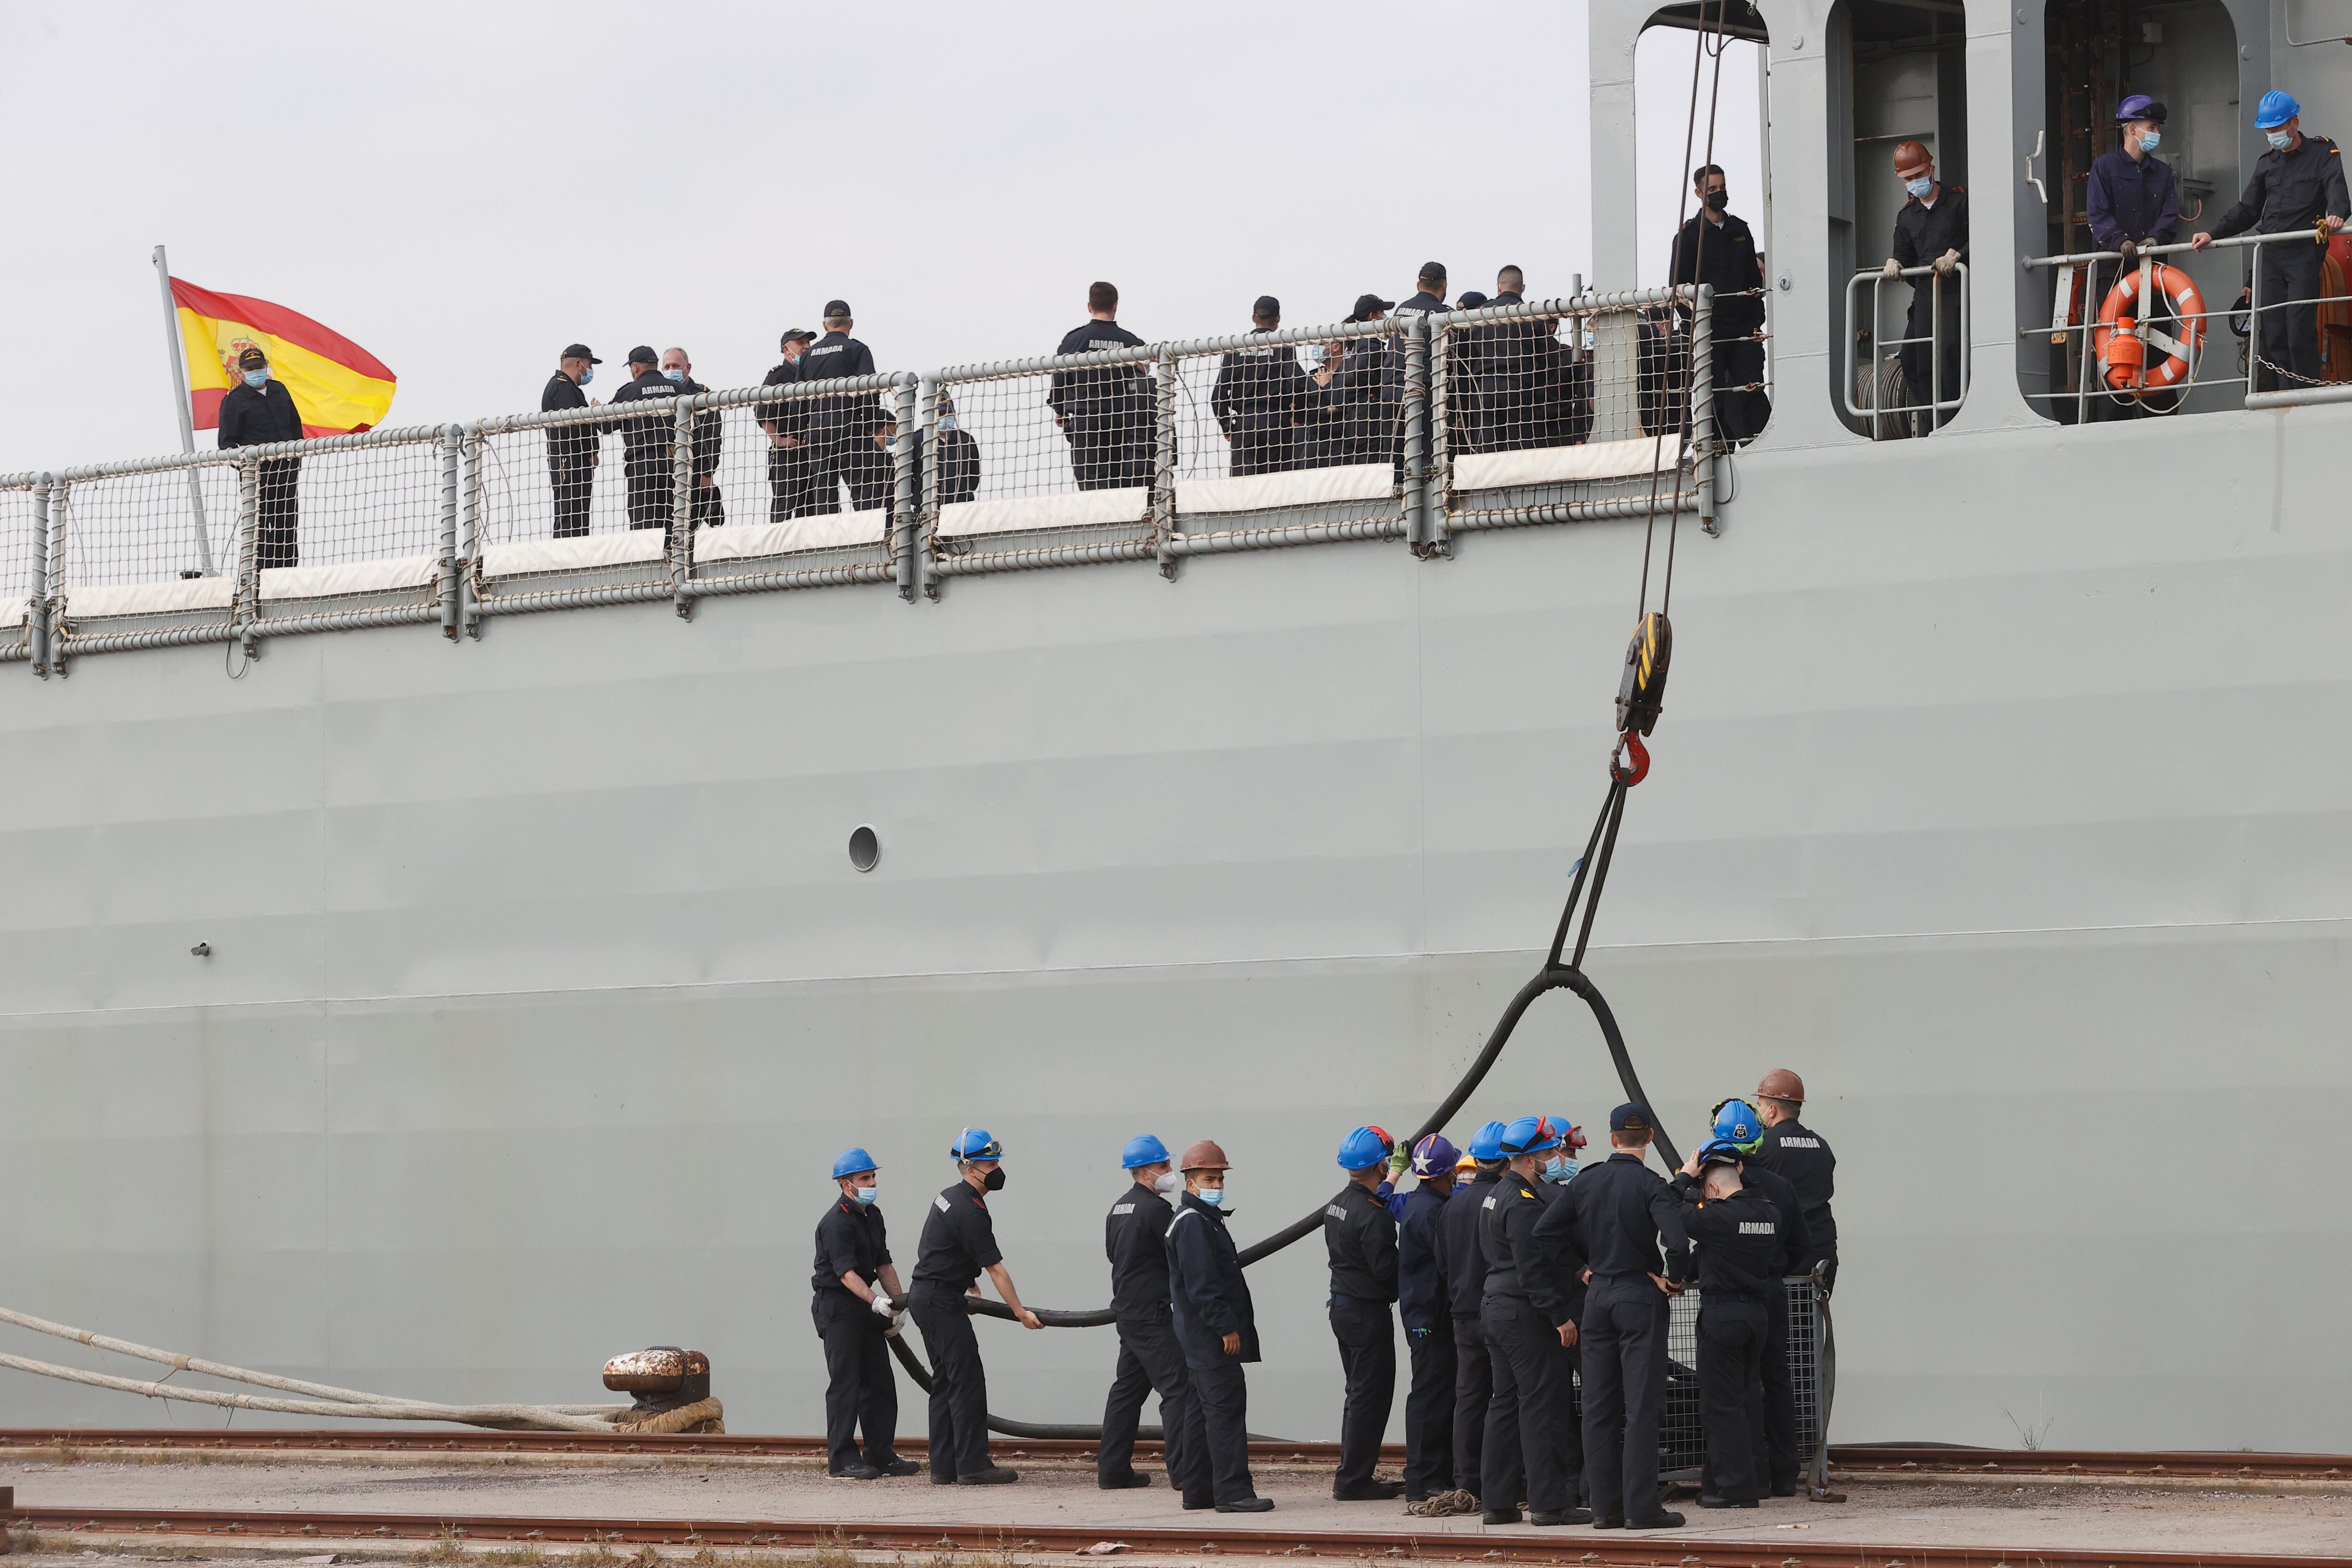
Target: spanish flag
x,y
339,386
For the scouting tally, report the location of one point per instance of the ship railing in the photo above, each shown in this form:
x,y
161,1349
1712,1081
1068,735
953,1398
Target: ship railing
x,y
1880,395
1413,428
2102,376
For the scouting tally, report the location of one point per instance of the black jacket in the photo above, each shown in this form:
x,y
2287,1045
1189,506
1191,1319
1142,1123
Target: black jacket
x,y
1613,1214
1459,1232
1135,1239
959,1240
850,1238
1205,1285
1726,257
1796,1240
1803,1158
956,463
257,418
2289,190
788,416
1117,394
1365,394
1738,1242
1422,303
1522,1262
2131,198
568,443
831,358
646,439
1261,393
1360,1235
1421,1299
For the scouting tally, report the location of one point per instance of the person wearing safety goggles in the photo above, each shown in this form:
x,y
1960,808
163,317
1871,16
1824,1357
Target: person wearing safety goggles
x,y
2297,184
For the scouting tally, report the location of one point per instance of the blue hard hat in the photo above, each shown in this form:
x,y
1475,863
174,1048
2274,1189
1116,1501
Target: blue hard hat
x,y
1530,1135
1736,1122
1433,1156
1363,1149
2276,109
850,1162
1144,1150
974,1144
1486,1143
1571,1137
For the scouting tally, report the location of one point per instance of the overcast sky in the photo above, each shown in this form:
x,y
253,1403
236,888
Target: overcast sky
x,y
464,188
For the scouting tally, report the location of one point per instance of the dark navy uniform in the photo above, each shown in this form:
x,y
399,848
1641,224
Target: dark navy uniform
x,y
2135,200
1724,255
2289,191
1614,1214
708,508
859,1390
840,427
1923,233
1802,1157
1422,303
1459,1229
1776,1445
1739,1246
1360,1235
648,449
258,418
1106,411
788,467
1135,1239
571,457
1367,393
955,464
958,1242
1210,1299
1423,1303
1530,1435
1260,400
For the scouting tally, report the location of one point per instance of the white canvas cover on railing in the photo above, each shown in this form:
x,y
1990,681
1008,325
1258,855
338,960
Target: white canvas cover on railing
x,y
350,577
1301,487
1567,465
529,556
1072,509
824,530
151,598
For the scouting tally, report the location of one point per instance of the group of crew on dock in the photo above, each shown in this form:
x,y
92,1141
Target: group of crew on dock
x,y
1529,1285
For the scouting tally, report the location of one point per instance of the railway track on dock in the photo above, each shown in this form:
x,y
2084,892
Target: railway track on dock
x,y
1854,1461
227,1528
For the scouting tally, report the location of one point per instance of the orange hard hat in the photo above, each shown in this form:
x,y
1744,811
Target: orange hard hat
x,y
1909,155
1780,1083
1205,1156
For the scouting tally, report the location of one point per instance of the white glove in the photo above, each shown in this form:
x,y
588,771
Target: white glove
x,y
1946,262
882,1305
1892,271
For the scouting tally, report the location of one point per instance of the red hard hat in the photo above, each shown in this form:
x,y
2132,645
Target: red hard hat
x,y
1782,1084
1205,1156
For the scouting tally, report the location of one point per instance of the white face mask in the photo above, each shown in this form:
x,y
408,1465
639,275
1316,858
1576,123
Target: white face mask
x,y
676,375
866,1195
1166,1182
2282,140
256,379
1919,187
2150,140
1212,1196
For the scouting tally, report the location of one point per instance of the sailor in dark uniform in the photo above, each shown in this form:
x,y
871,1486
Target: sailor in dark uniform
x,y
572,449
1135,1237
958,1244
1932,230
1103,410
260,412
858,1304
2297,184
648,441
1736,1233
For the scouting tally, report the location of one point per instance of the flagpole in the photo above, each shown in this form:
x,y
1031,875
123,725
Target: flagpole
x,y
187,420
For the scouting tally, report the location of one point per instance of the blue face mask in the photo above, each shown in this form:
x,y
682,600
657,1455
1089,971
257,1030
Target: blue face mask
x,y
866,1194
587,375
1559,1168
1919,189
1212,1196
257,378
676,375
947,421
2282,140
2151,140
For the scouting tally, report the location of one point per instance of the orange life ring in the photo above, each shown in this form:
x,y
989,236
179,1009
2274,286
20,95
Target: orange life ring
x,y
2116,341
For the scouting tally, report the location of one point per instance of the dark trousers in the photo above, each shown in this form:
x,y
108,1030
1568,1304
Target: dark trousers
x,y
1474,1385
1109,451
1150,1362
843,458
1776,1444
1531,1443
959,1386
859,1390
1933,378
276,512
1623,1348
1731,1394
1273,450
651,500
573,479
1740,414
1216,1429
1367,1336
788,482
1429,1412
709,508
2289,333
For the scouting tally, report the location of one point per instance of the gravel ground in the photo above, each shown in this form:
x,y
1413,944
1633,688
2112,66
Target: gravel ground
x,y
2020,1516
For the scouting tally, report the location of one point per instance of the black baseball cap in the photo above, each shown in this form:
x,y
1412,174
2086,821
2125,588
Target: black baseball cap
x,y
1630,1118
1367,303
643,355
579,351
796,334
1471,299
835,307
1267,305
251,356
1431,272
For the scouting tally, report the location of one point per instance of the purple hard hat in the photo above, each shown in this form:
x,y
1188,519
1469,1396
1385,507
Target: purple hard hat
x,y
1433,1156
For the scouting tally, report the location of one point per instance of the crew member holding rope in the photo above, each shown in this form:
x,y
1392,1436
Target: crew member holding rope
x,y
959,1243
857,1301
1135,1239
2299,183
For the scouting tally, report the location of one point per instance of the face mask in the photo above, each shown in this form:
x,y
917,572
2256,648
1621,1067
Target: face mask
x,y
994,1179
2151,142
1718,200
676,375
257,378
866,1194
1212,1196
587,375
1919,187
947,421
1168,1183
2281,140
1556,1169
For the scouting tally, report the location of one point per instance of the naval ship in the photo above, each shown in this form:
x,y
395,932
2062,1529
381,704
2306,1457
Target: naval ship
x,y
441,963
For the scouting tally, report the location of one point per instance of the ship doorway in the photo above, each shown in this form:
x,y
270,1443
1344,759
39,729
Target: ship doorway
x,y
2184,54
1897,73
1679,46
